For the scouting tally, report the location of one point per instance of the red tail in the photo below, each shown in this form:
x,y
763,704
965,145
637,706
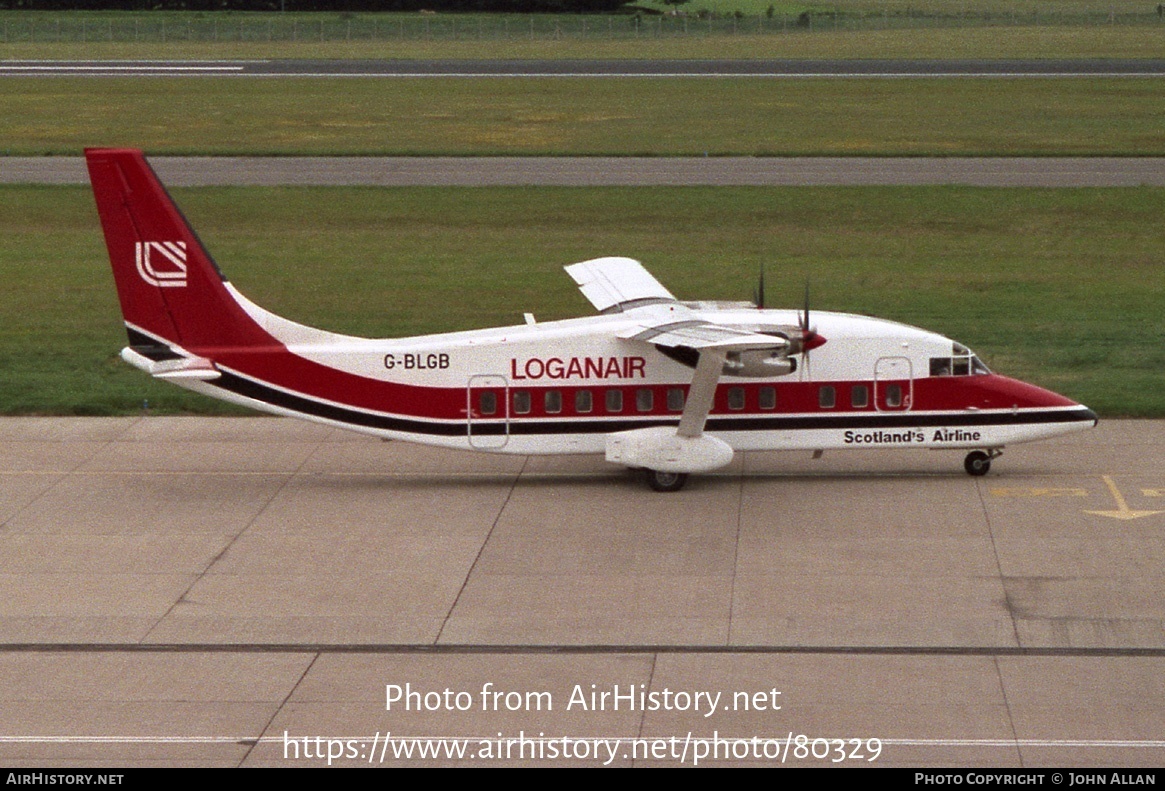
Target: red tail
x,y
167,283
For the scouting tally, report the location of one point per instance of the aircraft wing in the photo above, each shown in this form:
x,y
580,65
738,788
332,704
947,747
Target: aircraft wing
x,y
703,335
615,282
714,342
622,283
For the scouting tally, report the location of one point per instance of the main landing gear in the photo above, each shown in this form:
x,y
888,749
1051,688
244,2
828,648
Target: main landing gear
x,y
978,462
666,481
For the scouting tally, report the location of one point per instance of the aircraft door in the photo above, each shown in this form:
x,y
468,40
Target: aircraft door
x,y
893,384
487,409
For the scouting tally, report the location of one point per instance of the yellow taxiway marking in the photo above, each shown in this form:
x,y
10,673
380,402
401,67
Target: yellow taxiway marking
x,y
1038,491
1122,508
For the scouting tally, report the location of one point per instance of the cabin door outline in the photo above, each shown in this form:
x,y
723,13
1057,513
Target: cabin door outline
x,y
483,424
893,384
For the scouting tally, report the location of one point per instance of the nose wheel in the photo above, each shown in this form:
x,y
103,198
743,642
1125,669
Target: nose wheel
x,y
978,462
666,481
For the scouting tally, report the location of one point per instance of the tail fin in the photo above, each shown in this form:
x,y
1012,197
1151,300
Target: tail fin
x,y
169,287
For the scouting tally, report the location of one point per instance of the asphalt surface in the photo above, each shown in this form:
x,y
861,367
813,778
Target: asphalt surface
x,y
613,171
208,591
592,68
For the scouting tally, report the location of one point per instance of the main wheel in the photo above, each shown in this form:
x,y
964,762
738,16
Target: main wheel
x,y
977,463
666,481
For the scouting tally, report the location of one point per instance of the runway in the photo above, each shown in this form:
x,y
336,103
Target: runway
x,y
212,591
568,68
615,171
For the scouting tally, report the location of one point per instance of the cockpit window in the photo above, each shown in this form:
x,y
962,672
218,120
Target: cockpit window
x,y
961,363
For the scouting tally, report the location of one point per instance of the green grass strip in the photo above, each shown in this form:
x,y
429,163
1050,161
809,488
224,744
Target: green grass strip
x,y
533,116
859,29
1059,287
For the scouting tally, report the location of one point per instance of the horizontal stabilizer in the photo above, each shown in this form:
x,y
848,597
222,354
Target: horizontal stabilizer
x,y
179,368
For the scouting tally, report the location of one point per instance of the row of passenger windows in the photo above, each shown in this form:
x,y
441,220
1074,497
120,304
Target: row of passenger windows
x,y
644,399
613,400
859,396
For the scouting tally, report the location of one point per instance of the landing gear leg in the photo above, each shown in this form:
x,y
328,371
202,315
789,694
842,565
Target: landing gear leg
x,y
978,462
666,481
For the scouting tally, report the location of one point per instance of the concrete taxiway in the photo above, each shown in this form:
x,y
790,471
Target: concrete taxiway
x,y
214,591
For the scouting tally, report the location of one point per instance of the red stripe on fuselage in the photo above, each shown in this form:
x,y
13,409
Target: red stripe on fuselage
x,y
276,365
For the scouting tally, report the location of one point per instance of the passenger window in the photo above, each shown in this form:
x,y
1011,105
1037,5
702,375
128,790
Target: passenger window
x,y
675,399
826,397
614,400
893,395
736,398
768,398
521,402
552,402
644,399
582,401
487,403
859,396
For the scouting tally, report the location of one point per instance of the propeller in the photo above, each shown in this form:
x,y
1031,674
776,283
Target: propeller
x,y
809,338
759,295
804,317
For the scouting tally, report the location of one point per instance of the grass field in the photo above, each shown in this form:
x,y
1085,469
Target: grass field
x,y
1060,287
857,29
532,116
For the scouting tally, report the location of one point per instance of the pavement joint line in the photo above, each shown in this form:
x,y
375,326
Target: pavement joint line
x,y
1000,576
67,474
450,649
253,743
1003,690
477,558
288,477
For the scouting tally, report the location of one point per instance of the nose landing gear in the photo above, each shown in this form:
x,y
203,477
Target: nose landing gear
x,y
978,462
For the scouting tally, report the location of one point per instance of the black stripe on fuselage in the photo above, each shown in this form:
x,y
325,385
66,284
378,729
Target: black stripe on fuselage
x,y
308,406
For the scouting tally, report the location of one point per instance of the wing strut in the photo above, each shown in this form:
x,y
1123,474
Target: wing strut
x,y
702,392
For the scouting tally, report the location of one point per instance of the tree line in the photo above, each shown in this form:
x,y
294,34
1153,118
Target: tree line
x,y
510,6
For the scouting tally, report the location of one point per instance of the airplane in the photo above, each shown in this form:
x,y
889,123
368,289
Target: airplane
x,y
653,382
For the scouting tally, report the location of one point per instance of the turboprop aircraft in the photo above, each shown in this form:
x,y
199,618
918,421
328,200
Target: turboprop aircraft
x,y
653,382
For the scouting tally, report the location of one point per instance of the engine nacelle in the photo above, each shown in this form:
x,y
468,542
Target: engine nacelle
x,y
660,448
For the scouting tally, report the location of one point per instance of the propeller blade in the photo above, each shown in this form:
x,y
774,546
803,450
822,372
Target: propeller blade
x,y
760,289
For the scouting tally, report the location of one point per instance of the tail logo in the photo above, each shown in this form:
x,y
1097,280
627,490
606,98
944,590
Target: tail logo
x,y
161,264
